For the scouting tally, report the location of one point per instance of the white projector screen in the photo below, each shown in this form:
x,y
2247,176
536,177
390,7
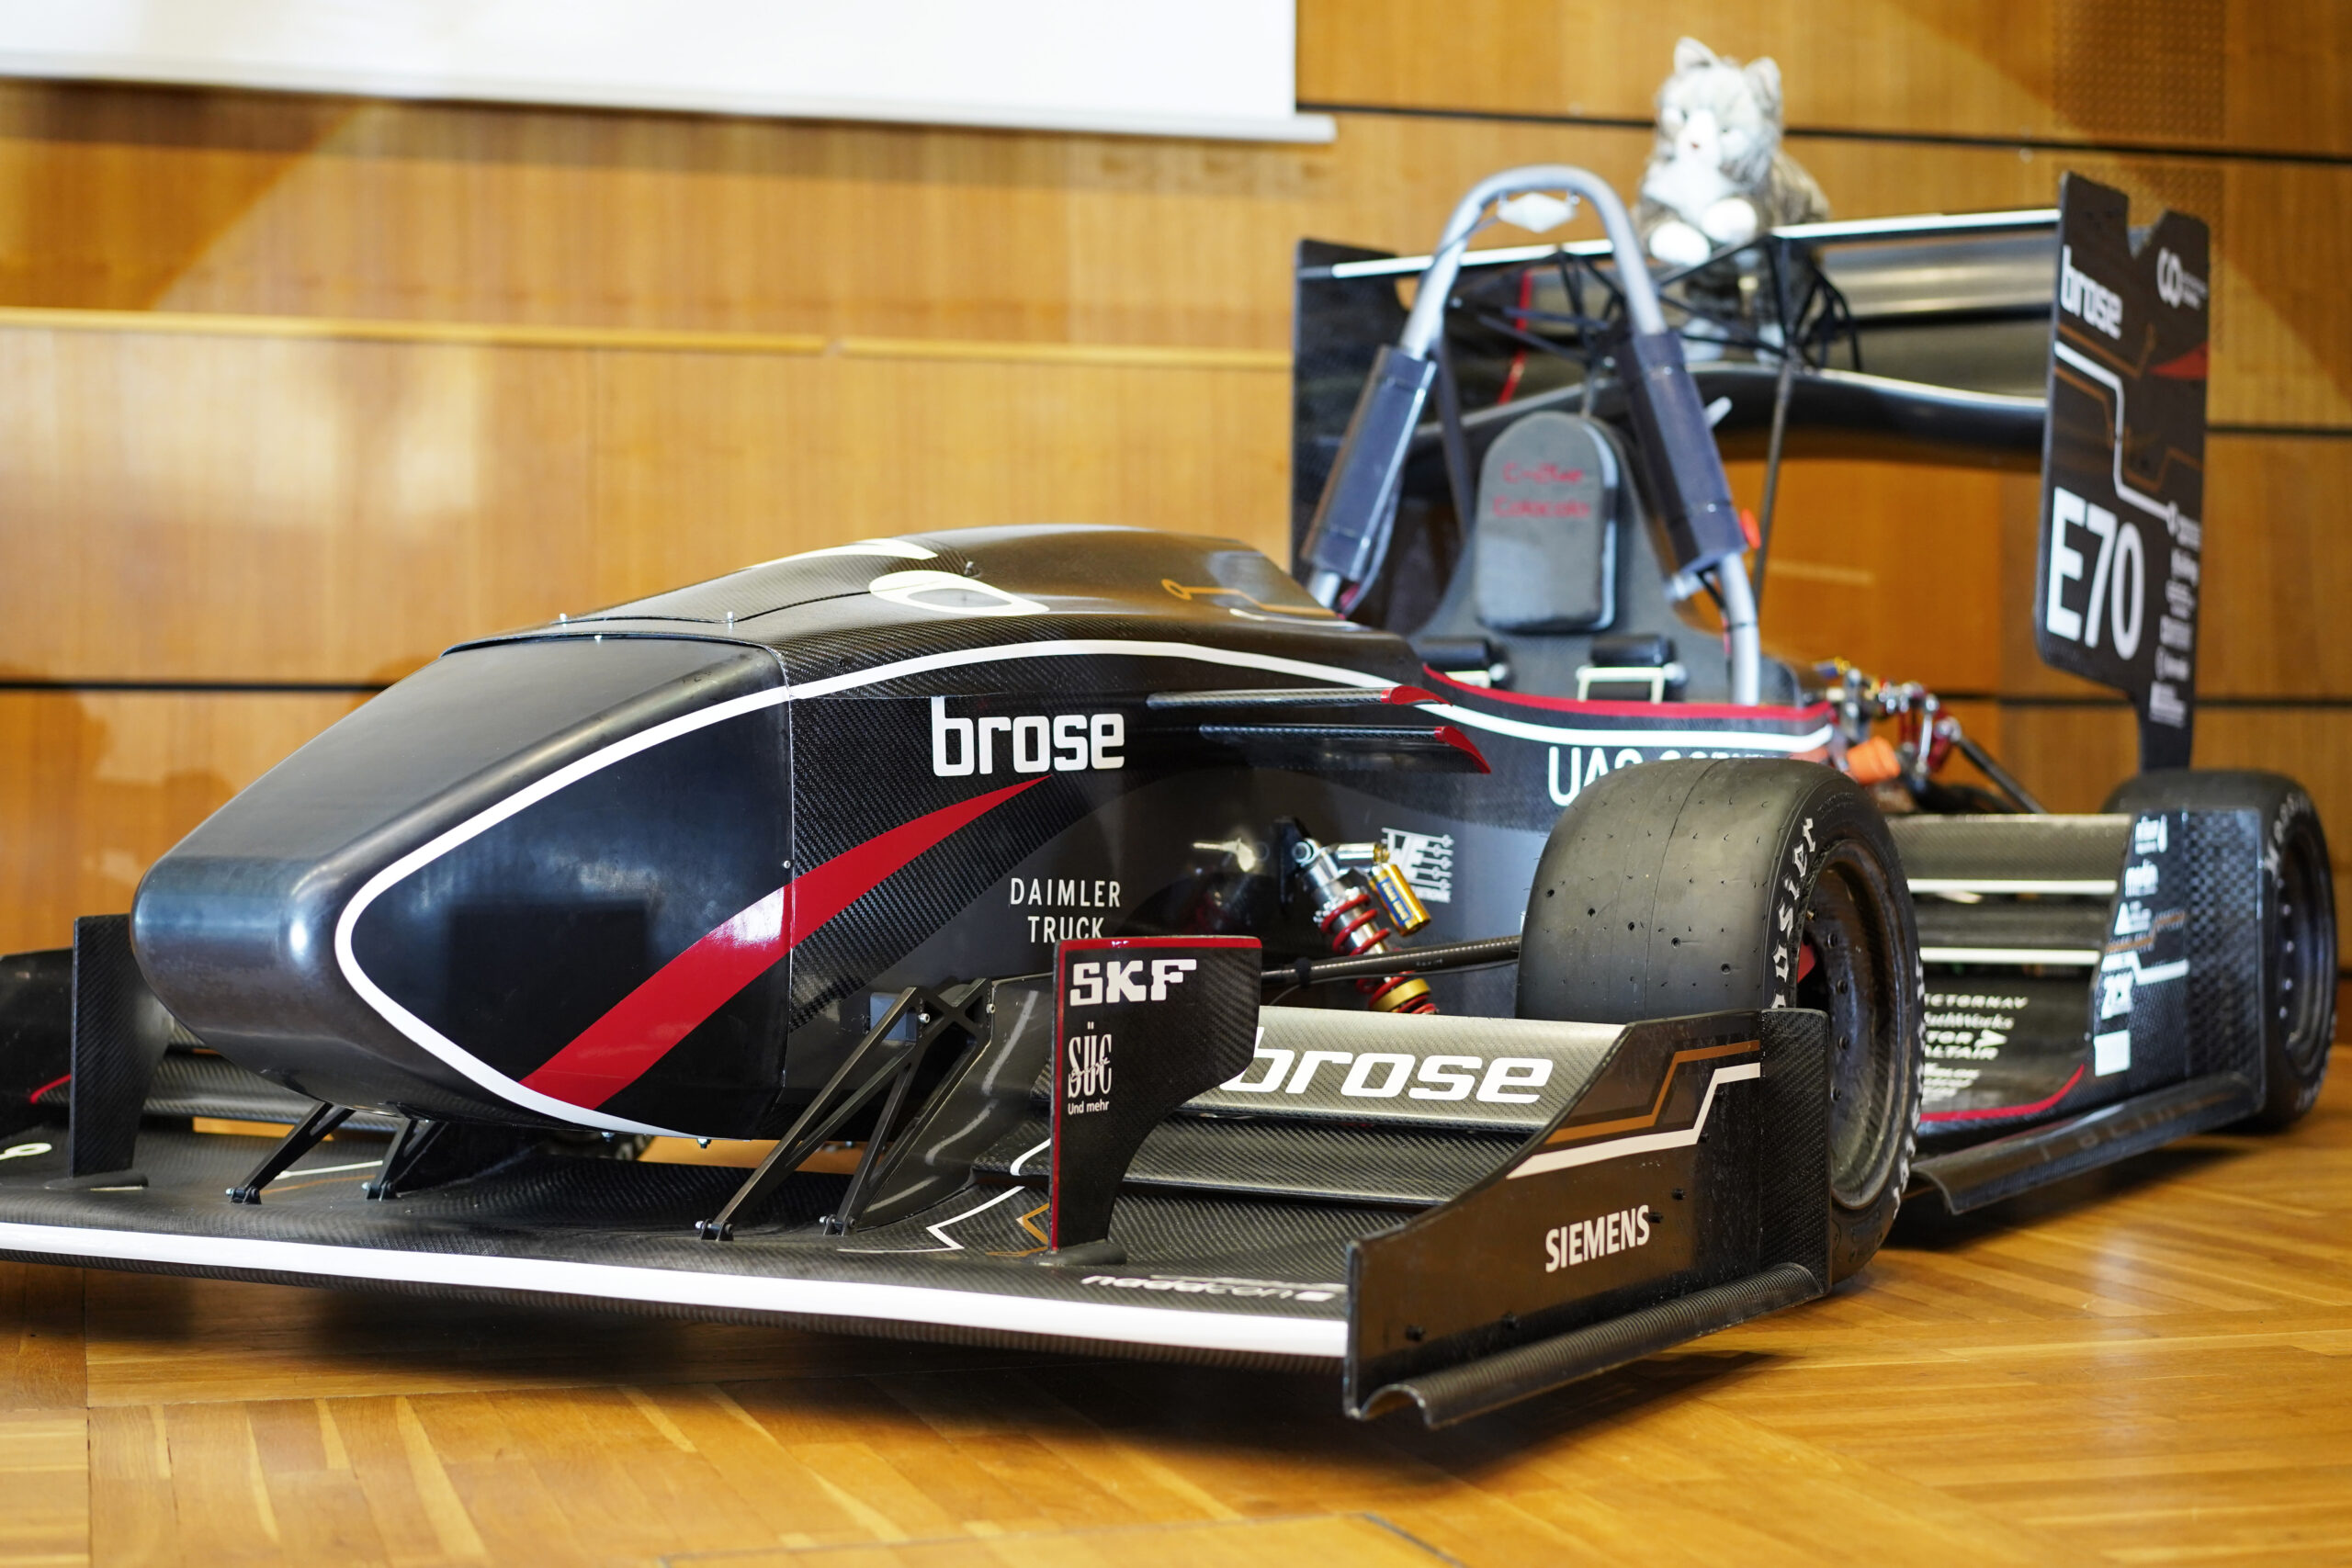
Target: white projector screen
x,y
1214,68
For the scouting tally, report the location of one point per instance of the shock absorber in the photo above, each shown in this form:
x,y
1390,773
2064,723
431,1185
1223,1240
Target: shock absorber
x,y
1363,916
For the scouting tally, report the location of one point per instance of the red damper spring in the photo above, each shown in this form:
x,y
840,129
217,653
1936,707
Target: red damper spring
x,y
1355,928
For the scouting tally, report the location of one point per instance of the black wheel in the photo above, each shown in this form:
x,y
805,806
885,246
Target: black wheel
x,y
2299,923
1676,887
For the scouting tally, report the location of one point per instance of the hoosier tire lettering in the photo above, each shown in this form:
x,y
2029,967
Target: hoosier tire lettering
x,y
1784,918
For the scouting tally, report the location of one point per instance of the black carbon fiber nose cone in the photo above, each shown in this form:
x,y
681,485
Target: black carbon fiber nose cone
x,y
446,892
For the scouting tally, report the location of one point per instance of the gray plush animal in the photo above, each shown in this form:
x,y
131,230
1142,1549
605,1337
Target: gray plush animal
x,y
1717,176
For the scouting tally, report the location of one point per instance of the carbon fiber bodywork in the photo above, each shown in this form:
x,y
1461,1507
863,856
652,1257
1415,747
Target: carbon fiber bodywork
x,y
2094,988
648,870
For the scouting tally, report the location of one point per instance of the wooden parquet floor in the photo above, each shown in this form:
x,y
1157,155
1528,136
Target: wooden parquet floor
x,y
2154,1366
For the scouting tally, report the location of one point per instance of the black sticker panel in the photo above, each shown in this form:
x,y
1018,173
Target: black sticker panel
x,y
1142,1024
2123,460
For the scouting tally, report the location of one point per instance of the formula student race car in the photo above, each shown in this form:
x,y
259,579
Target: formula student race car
x,y
1067,873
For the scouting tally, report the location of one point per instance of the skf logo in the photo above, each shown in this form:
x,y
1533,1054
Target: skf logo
x,y
1109,983
1564,1246
2081,295
1068,743
1086,1082
2176,285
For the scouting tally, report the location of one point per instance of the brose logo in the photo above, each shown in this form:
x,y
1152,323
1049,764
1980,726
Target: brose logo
x,y
1111,982
2081,295
1384,1075
1564,1246
1067,743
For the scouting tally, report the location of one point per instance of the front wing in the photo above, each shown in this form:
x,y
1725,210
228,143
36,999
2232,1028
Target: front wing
x,y
1679,1189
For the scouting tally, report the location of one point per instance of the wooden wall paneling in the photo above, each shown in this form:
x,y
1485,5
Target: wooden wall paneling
x,y
336,511
2132,71
892,231
431,493
1870,63
2282,344
702,467
450,212
2072,753
94,785
1174,242
2286,66
1892,566
2313,744
2238,74
2277,566
637,220
229,509
105,194
221,509
1502,57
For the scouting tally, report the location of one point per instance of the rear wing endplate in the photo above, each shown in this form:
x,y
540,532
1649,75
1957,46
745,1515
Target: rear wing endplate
x,y
2118,570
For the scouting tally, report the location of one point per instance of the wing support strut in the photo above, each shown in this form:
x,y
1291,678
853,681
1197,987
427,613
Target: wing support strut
x,y
311,1131
877,1065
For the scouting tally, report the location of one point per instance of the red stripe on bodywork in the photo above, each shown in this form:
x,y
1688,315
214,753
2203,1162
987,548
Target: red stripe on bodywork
x,y
619,1048
1987,1113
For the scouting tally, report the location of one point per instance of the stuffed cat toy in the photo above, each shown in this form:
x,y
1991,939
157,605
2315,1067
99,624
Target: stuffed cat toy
x,y
1717,176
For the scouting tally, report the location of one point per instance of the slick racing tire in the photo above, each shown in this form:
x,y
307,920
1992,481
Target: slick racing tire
x,y
1666,889
2298,926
